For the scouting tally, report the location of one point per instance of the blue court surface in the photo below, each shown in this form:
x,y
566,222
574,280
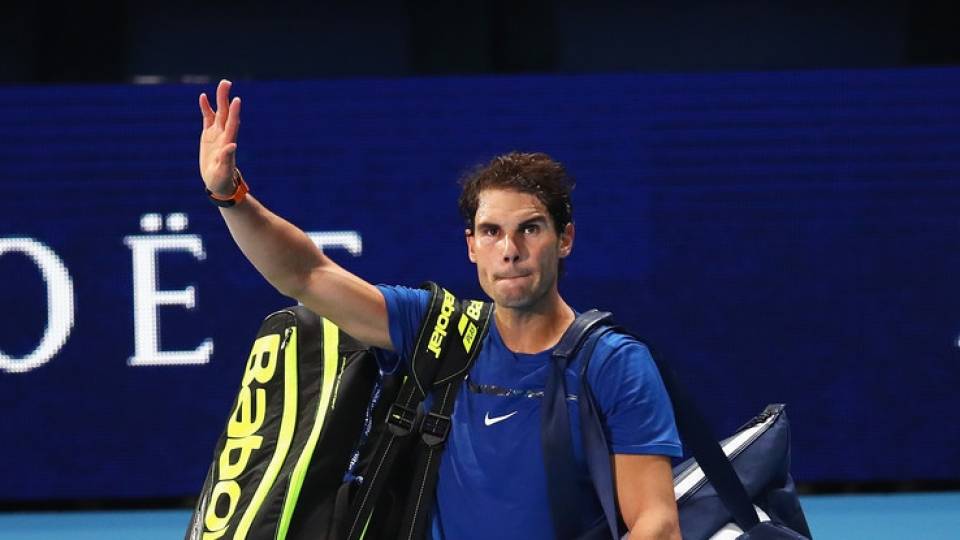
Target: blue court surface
x,y
877,517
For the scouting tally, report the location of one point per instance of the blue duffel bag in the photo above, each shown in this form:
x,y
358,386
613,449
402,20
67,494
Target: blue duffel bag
x,y
759,452
738,489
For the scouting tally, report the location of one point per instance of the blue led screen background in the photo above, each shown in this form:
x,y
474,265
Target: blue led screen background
x,y
779,237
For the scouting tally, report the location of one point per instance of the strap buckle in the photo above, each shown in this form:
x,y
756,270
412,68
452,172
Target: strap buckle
x,y
434,429
402,420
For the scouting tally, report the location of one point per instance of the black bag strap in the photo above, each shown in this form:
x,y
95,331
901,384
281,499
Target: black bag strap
x,y
435,428
402,419
438,364
472,322
693,429
448,339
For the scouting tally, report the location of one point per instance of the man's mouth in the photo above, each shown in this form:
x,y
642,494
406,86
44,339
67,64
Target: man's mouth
x,y
510,276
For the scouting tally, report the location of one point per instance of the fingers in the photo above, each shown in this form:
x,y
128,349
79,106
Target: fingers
x,y
223,95
233,121
206,111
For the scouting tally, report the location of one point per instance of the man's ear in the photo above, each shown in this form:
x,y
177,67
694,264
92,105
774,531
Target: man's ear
x,y
468,236
566,240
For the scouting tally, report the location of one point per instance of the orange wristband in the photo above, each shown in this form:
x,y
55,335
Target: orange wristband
x,y
236,197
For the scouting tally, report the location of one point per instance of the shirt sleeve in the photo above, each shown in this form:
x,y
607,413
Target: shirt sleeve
x,y
638,417
406,307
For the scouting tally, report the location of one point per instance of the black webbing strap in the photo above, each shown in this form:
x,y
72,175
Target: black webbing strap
x,y
447,343
403,418
449,336
435,430
435,427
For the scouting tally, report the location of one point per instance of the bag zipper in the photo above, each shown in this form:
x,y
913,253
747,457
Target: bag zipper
x,y
764,420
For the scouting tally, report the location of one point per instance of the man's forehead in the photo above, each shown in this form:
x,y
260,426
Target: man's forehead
x,y
508,202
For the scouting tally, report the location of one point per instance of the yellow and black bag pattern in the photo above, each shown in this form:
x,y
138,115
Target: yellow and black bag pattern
x,y
283,442
304,443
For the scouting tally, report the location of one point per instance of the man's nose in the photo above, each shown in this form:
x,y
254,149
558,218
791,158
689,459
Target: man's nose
x,y
511,252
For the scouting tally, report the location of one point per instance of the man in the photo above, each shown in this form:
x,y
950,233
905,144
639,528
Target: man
x,y
519,228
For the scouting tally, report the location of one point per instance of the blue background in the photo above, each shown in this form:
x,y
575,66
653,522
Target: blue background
x,y
780,237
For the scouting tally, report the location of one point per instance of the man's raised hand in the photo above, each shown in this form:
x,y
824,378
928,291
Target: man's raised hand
x,y
218,141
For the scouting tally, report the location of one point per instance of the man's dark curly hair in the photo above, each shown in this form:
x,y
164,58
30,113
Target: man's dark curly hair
x,y
536,174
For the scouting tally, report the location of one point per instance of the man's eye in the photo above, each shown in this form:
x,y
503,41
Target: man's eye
x,y
489,231
531,229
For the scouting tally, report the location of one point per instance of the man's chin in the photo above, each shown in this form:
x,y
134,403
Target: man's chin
x,y
513,299
512,303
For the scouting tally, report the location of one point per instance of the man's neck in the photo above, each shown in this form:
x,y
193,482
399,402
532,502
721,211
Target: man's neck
x,y
534,330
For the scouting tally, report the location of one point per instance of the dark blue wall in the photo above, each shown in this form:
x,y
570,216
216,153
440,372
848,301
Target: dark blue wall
x,y
784,236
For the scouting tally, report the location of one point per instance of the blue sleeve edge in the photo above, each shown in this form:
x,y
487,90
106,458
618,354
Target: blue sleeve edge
x,y
671,450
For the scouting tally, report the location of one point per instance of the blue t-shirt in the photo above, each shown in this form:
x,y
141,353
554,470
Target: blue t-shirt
x,y
492,482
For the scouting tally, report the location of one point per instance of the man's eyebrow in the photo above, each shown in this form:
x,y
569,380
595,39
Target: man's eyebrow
x,y
485,223
538,219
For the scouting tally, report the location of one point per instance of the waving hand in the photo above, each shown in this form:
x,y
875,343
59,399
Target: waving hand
x,y
280,251
218,141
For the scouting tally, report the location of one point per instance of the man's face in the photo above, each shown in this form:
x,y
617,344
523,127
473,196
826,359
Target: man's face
x,y
516,248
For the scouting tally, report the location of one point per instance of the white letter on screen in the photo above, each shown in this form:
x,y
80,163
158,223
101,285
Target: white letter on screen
x,y
348,240
146,299
59,303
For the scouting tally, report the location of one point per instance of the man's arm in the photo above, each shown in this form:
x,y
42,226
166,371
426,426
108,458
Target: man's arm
x,y
644,485
281,252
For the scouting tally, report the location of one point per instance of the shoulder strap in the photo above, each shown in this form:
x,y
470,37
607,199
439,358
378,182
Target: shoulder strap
x,y
694,430
449,337
579,330
455,355
596,451
438,364
563,489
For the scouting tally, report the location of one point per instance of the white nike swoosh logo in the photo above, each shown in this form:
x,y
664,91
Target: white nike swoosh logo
x,y
487,421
